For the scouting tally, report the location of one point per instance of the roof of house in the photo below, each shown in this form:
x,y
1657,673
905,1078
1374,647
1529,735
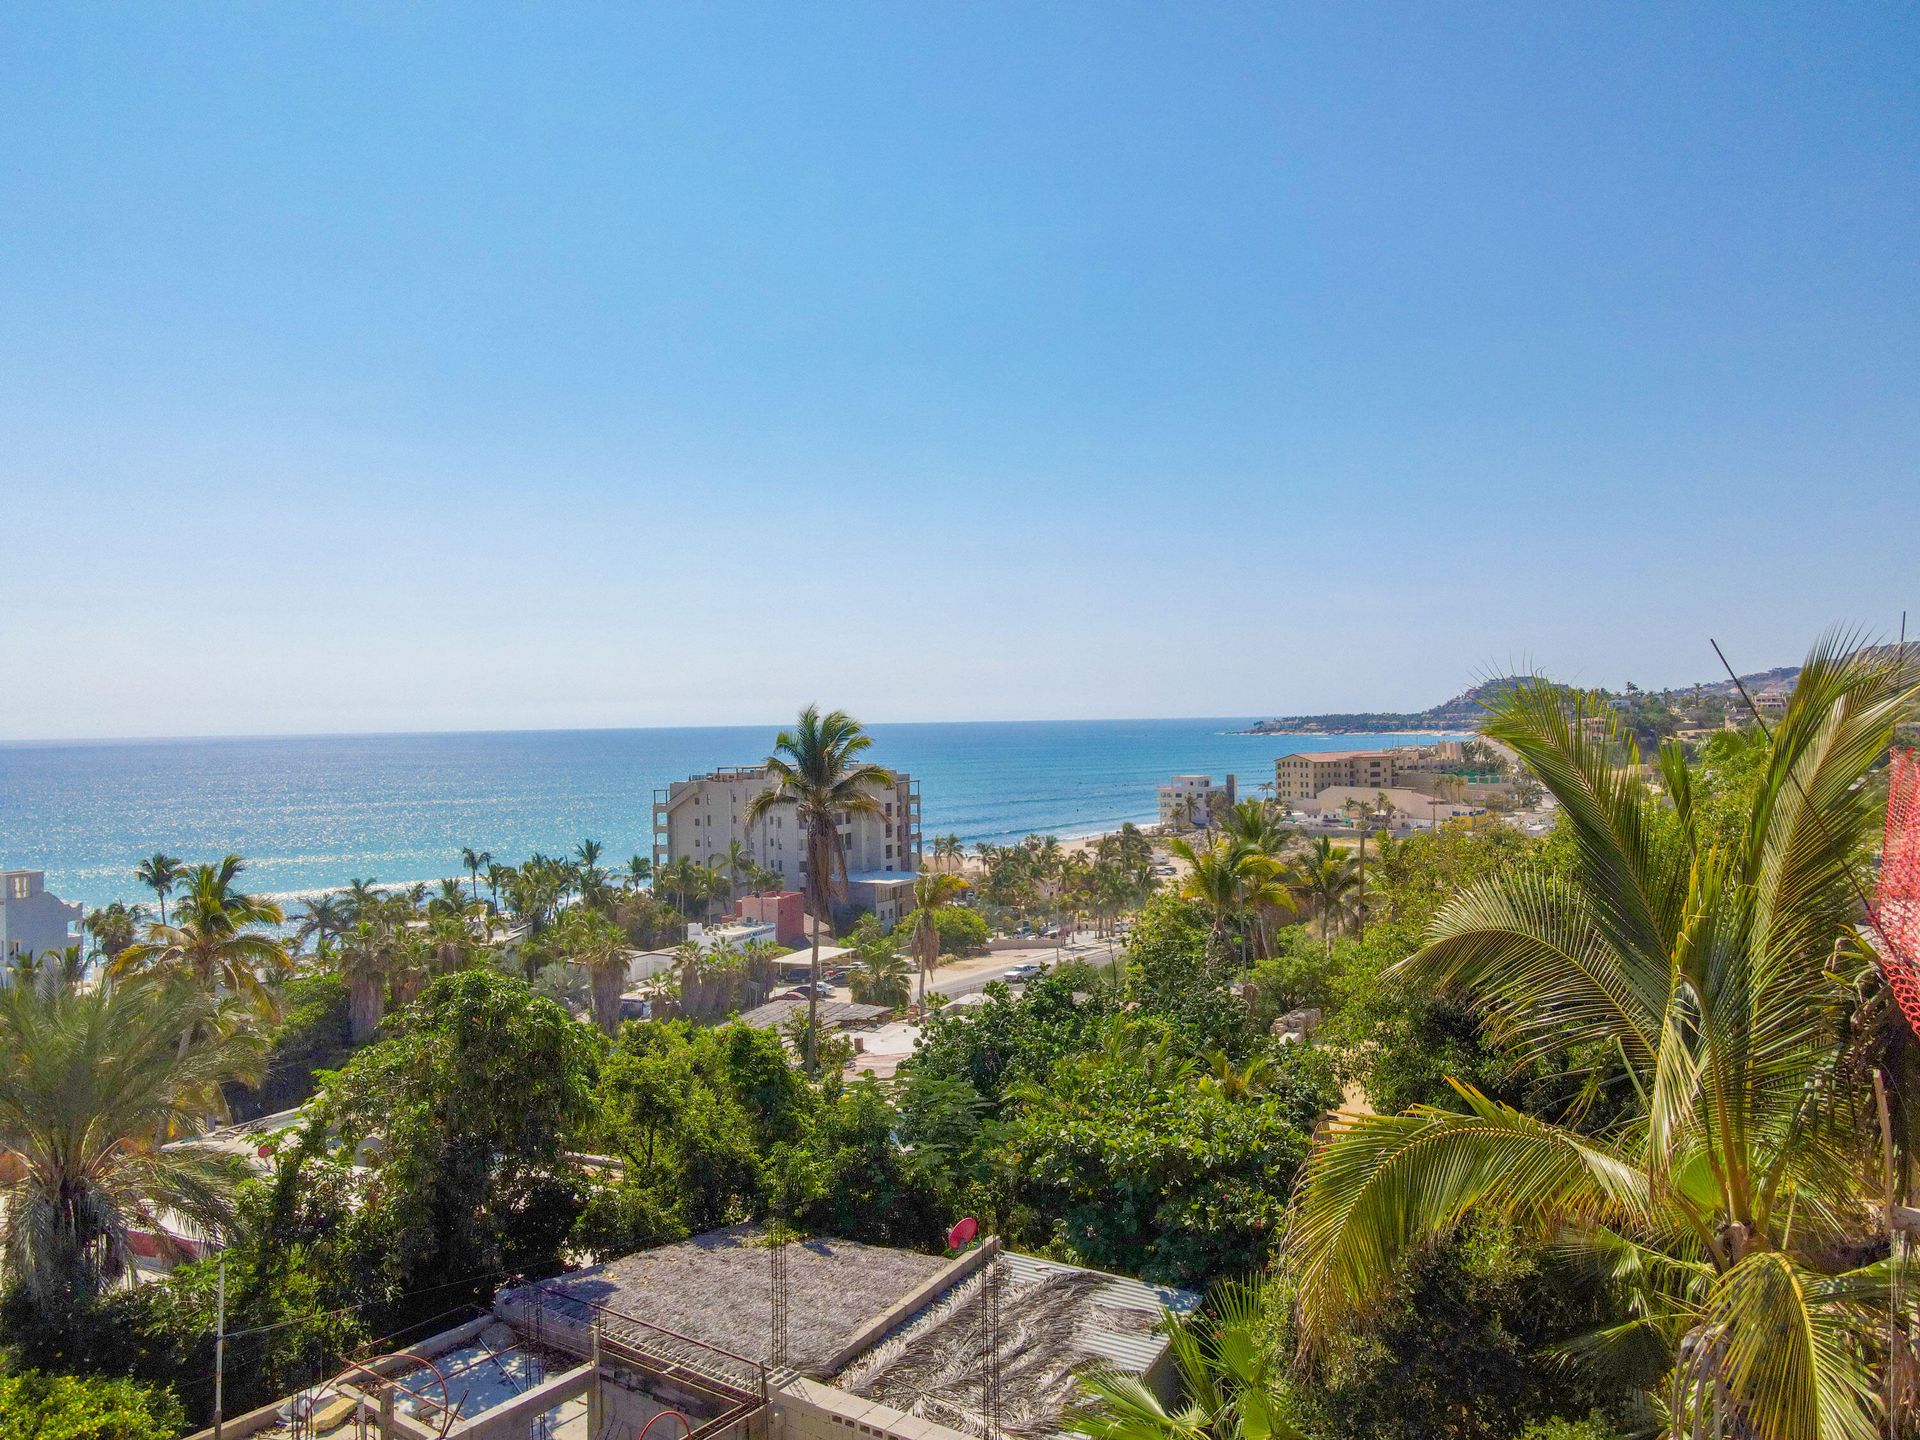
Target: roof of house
x,y
714,1289
832,1012
1055,1320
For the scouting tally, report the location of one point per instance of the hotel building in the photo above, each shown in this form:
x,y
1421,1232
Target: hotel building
x,y
699,819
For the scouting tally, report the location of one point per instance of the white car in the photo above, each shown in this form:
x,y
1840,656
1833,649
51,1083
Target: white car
x,y
1028,971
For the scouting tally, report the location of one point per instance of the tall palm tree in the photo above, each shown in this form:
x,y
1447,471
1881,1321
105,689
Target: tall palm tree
x,y
220,943
1234,883
95,1083
1728,1213
737,865
1329,883
586,938
475,861
324,919
931,894
365,962
160,873
114,927
817,771
639,873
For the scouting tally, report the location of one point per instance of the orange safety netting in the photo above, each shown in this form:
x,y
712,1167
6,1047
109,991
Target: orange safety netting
x,y
1896,899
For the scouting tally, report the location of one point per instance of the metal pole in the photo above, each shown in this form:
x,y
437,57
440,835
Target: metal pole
x,y
219,1341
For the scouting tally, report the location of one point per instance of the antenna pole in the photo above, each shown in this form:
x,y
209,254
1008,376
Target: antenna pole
x,y
219,1342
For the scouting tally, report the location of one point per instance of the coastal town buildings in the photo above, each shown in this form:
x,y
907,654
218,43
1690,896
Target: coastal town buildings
x,y
1298,778
1189,799
33,920
699,819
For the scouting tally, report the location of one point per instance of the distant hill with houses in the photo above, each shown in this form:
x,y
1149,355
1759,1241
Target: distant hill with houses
x,y
1466,710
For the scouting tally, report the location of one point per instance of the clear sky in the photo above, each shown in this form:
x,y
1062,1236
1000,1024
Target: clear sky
x,y
422,367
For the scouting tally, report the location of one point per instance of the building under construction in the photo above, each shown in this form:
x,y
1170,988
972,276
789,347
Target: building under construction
x,y
727,1335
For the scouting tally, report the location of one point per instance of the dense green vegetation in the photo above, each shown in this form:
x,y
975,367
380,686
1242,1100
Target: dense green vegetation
x,y
1606,1091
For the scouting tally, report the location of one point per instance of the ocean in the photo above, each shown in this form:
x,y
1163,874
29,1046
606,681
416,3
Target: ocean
x,y
310,813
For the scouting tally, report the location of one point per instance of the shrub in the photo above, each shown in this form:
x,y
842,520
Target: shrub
x,y
962,931
34,1406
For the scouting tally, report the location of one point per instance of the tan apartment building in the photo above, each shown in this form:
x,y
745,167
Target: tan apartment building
x,y
1299,778
699,819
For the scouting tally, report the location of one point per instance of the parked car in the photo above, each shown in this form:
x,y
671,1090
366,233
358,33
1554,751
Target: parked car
x,y
799,992
1027,971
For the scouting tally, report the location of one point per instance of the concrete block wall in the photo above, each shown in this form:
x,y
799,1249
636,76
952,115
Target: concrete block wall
x,y
807,1410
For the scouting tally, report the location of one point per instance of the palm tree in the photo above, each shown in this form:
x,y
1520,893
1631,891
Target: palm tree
x,y
1230,1385
496,877
95,1082
639,873
590,940
883,977
1728,1213
159,873
365,963
816,769
218,943
1330,884
737,865
1233,883
475,861
931,894
325,918
592,883
1252,823
114,927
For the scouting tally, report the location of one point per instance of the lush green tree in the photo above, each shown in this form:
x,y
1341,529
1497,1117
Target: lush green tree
x,y
34,1406
1012,1037
93,1085
865,1187
314,1034
962,931
474,1096
1728,1212
1174,970
1461,1346
1127,1160
588,939
1331,886
817,773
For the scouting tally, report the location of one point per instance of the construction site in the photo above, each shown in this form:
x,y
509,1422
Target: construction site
x,y
730,1334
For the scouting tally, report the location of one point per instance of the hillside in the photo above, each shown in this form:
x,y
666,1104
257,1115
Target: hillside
x,y
1466,710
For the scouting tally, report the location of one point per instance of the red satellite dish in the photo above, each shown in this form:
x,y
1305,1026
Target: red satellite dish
x,y
963,1233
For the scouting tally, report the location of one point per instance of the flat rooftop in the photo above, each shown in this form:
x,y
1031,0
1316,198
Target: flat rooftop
x,y
715,1289
1055,1321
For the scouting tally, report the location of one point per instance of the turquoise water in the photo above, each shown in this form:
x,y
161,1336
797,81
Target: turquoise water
x,y
311,813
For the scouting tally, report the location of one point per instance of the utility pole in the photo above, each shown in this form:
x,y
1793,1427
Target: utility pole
x,y
219,1341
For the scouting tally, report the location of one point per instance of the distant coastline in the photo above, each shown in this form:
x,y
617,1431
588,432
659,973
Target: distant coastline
x,y
1423,732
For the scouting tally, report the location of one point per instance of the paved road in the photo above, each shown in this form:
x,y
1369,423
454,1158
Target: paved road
x,y
969,976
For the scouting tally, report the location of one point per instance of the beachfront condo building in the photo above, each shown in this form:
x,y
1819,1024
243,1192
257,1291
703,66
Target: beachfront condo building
x,y
34,921
1298,778
1191,800
699,819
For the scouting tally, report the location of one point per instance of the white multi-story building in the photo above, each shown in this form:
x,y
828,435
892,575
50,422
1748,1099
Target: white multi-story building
x,y
33,921
700,818
1191,799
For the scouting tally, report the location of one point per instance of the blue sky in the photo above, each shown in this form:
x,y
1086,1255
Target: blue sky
x,y
422,367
